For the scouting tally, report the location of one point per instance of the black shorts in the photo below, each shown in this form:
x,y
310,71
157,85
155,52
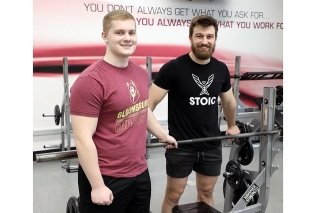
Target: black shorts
x,y
131,195
180,163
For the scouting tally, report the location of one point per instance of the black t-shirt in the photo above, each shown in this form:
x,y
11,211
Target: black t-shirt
x,y
193,98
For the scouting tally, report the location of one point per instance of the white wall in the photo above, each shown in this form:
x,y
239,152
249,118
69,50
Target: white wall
x,y
76,23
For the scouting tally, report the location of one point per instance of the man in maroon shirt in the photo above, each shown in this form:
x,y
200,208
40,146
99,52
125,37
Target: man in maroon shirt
x,y
110,116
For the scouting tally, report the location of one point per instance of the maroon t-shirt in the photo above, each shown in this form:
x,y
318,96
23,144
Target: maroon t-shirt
x,y
118,98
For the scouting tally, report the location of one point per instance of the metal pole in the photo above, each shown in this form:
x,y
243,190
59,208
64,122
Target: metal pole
x,y
236,83
67,102
149,69
66,117
266,142
235,89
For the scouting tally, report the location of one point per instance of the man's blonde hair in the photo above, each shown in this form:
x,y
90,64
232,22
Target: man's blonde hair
x,y
115,15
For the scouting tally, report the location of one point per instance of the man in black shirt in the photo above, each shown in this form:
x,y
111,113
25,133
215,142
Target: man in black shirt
x,y
194,82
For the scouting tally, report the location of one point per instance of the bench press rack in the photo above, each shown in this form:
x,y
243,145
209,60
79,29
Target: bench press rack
x,y
63,118
261,178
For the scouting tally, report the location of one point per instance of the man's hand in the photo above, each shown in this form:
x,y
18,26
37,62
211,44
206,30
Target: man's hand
x,y
170,141
233,130
102,196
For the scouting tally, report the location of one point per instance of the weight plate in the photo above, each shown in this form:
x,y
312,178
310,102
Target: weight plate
x,y
57,114
238,193
73,205
234,171
279,95
243,127
246,153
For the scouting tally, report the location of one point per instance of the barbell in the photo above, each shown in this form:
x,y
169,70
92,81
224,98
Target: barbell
x,y
73,153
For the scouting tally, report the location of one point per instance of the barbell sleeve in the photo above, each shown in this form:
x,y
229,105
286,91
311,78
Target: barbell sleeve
x,y
56,155
48,115
73,153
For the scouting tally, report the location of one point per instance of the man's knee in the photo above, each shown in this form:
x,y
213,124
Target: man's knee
x,y
173,195
205,195
206,192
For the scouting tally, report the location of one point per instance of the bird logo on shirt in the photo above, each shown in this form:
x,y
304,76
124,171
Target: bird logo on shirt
x,y
204,85
133,91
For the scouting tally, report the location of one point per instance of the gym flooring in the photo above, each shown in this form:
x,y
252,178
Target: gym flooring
x,y
53,186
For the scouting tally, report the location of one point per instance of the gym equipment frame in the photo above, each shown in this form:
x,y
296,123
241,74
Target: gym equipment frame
x,y
260,179
63,118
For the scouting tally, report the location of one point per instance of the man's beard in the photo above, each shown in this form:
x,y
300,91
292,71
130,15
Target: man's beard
x,y
203,54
